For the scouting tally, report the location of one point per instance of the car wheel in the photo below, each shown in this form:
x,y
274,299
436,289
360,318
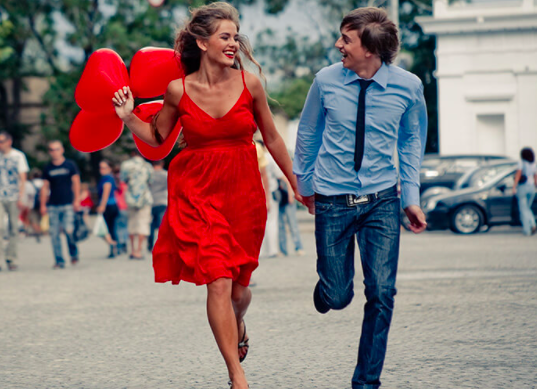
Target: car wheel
x,y
467,219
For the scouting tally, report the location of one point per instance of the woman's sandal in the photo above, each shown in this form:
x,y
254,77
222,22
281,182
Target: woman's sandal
x,y
244,343
231,385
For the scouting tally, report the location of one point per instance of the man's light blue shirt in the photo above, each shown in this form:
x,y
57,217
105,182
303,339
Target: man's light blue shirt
x,y
395,115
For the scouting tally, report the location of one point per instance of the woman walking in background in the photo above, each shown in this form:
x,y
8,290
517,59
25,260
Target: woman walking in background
x,y
212,231
107,205
122,220
524,188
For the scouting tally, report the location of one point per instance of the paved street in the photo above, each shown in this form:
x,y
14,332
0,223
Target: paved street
x,y
465,317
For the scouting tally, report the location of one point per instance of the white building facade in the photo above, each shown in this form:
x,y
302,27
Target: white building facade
x,y
487,75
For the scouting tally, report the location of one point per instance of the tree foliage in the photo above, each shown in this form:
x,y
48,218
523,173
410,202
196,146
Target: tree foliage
x,y
299,57
54,39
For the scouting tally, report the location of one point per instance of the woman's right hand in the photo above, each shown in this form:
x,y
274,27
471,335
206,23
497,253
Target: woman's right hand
x,y
123,102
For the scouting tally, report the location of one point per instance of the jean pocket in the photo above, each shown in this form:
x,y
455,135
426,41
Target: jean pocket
x,y
322,208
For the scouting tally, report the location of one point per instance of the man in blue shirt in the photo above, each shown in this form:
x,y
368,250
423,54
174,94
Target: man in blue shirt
x,y
356,113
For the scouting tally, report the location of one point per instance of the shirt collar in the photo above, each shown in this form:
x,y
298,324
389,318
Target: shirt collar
x,y
380,77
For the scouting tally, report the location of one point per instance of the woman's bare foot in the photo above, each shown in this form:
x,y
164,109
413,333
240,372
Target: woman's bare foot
x,y
239,383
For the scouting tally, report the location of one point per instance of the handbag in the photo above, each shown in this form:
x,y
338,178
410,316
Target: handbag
x,y
99,228
81,231
523,179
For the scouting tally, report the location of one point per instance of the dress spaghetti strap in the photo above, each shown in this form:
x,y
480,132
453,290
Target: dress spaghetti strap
x,y
243,80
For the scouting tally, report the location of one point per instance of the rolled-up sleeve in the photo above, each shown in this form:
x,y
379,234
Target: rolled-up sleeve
x,y
411,148
309,139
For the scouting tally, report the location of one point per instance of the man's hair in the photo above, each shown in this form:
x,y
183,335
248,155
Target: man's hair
x,y
6,134
54,141
376,31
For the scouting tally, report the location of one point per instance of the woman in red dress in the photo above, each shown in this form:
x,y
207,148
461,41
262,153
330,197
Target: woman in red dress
x,y
214,225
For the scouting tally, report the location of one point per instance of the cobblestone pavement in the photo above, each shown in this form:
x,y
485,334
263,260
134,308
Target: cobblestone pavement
x,y
465,317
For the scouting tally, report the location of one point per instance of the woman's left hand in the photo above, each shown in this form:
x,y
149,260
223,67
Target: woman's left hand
x,y
101,209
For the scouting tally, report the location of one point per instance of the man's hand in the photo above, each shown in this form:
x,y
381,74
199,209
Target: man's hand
x,y
417,219
43,209
76,206
101,208
309,201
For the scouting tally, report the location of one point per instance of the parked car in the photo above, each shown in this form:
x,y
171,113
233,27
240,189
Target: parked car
x,y
444,171
476,176
465,211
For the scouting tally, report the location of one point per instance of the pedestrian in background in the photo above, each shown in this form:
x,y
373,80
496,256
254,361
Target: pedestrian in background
x,y
13,170
287,217
356,114
122,220
269,248
60,198
34,216
524,188
27,203
159,192
107,205
86,202
136,173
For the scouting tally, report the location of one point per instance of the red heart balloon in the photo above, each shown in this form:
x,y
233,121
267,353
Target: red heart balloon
x,y
92,131
146,112
151,71
103,75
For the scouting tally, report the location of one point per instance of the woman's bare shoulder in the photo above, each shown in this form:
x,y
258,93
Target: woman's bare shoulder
x,y
175,91
253,83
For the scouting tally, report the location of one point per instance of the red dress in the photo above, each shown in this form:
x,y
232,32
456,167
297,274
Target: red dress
x,y
215,221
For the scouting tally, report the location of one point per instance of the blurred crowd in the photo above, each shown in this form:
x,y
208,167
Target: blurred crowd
x,y
129,202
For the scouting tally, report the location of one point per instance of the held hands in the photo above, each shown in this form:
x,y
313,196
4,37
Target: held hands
x,y
309,202
123,102
417,219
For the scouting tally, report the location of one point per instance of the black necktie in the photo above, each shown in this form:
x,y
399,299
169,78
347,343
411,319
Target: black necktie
x,y
360,125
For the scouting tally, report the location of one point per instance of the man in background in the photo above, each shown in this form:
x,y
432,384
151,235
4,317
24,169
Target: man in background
x,y
136,173
60,198
13,170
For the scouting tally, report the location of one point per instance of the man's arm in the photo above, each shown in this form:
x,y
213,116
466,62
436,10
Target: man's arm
x,y
411,148
308,143
43,196
75,180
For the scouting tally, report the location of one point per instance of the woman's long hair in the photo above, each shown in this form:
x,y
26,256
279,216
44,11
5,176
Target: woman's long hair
x,y
203,23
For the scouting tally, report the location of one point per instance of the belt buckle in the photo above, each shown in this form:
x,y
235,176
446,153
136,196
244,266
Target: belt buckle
x,y
353,201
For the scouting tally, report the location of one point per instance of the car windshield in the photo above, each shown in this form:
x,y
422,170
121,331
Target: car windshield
x,y
482,176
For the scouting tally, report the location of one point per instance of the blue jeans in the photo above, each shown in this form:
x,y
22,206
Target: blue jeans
x,y
377,229
62,217
157,213
287,216
122,233
525,195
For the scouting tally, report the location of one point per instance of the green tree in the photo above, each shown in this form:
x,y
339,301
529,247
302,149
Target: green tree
x,y
29,42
